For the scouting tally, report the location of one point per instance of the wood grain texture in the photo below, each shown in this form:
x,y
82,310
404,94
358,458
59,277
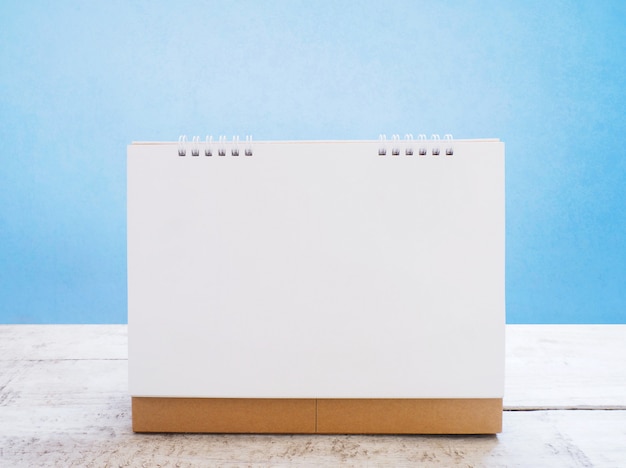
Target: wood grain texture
x,y
75,411
565,366
33,342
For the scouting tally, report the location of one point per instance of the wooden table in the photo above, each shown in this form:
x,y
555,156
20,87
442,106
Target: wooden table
x,y
64,402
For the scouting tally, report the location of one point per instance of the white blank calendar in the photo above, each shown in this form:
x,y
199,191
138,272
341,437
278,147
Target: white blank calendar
x,y
316,269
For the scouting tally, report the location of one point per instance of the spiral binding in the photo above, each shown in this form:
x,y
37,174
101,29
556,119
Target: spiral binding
x,y
208,147
407,145
182,150
423,145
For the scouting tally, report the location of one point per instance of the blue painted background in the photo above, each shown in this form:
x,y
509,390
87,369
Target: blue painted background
x,y
80,80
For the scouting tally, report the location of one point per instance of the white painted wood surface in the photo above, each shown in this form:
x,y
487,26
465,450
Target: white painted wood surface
x,y
64,402
565,366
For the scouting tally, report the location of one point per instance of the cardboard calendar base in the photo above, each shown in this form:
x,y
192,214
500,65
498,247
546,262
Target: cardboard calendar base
x,y
317,416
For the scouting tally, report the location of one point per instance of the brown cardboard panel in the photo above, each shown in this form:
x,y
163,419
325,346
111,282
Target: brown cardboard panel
x,y
409,416
327,416
228,415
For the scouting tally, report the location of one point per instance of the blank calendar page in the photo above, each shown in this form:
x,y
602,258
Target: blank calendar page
x,y
331,269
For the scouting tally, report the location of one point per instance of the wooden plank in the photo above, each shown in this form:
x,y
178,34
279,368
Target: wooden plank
x,y
34,342
58,383
59,411
546,365
565,366
100,435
